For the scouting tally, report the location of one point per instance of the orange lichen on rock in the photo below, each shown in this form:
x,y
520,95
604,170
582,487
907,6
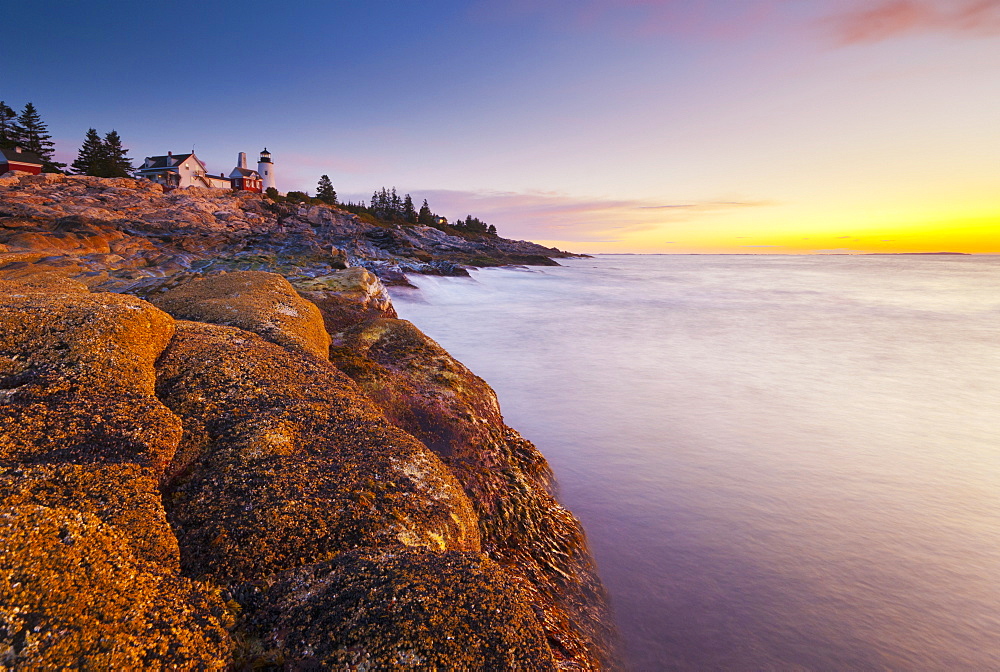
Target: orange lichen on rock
x,y
88,563
399,610
285,462
264,303
77,380
36,280
73,597
125,496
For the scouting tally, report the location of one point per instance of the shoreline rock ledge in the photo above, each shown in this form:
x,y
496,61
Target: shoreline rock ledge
x,y
259,470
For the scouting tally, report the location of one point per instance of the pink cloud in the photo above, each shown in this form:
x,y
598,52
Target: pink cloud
x,y
849,21
884,19
554,216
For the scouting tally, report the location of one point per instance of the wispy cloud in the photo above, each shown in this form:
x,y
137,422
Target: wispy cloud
x,y
846,21
556,216
883,19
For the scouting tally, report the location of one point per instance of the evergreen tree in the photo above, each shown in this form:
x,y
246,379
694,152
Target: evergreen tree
x,y
91,155
395,204
33,136
325,191
378,203
492,230
409,212
425,217
8,135
115,160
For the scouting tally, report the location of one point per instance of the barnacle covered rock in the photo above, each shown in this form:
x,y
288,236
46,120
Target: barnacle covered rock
x,y
73,597
125,496
400,610
427,392
285,462
263,303
77,378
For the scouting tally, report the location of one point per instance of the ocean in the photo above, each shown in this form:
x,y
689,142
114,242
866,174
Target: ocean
x,y
781,462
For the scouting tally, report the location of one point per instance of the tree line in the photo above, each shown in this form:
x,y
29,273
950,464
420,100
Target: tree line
x,y
98,157
387,205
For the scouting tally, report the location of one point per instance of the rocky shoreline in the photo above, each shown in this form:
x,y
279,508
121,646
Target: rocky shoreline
x,y
221,449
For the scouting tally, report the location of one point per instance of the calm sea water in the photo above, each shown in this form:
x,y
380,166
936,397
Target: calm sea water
x,y
782,463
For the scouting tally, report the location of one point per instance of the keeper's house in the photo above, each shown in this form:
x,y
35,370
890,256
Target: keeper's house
x,y
18,159
179,171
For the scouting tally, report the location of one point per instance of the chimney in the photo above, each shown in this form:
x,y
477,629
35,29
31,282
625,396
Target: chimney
x,y
170,159
242,162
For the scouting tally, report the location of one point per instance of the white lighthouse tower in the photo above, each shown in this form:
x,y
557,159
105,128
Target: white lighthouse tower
x,y
266,170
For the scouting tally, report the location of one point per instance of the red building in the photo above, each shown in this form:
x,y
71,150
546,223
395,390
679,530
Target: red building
x,y
245,179
18,159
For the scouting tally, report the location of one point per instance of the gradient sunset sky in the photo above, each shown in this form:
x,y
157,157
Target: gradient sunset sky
x,y
771,126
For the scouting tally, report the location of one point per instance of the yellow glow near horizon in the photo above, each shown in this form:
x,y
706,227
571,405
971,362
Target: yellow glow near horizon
x,y
968,233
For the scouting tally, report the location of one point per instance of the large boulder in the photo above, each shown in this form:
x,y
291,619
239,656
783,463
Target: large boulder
x,y
285,462
347,297
400,610
72,596
428,393
77,379
264,303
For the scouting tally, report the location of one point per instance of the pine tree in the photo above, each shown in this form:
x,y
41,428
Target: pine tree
x,y
8,135
33,136
425,217
492,230
90,156
409,212
395,204
115,160
325,191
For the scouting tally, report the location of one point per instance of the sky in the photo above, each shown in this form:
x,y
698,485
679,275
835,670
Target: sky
x,y
668,126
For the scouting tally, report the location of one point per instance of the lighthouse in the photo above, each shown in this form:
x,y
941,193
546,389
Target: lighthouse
x,y
266,169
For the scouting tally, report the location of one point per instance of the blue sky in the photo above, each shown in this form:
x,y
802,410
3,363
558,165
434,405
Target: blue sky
x,y
596,125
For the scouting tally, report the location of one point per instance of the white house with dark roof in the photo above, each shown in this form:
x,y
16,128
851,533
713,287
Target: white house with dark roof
x,y
179,171
173,170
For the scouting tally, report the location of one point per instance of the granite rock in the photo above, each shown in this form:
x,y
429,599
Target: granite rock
x,y
264,303
284,462
398,610
72,596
